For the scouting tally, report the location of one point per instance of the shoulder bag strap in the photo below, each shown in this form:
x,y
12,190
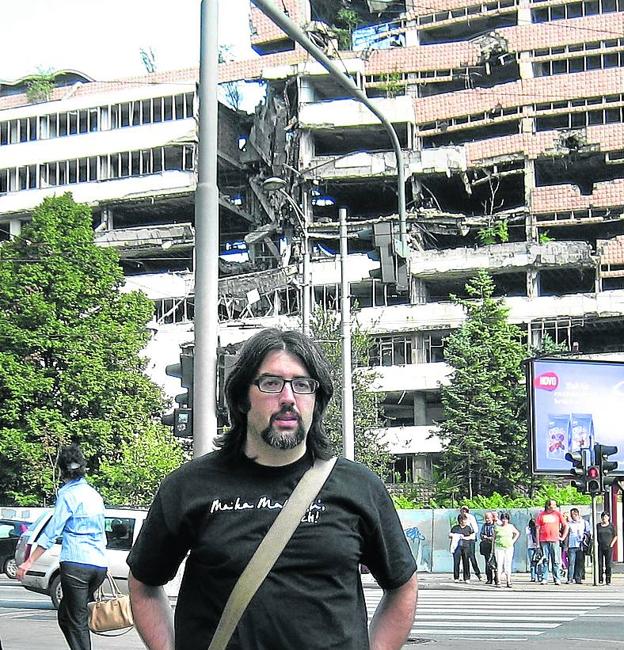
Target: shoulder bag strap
x,y
270,549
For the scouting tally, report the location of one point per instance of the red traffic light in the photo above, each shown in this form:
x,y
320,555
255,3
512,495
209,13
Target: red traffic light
x,y
592,472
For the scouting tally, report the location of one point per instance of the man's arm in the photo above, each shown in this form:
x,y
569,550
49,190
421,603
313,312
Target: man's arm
x,y
565,531
393,617
152,614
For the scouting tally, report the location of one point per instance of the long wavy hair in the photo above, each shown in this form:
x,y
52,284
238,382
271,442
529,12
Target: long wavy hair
x,y
253,353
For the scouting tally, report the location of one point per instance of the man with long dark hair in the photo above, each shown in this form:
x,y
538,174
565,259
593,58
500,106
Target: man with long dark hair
x,y
217,508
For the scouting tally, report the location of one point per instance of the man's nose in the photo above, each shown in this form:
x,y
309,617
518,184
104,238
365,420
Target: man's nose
x,y
287,395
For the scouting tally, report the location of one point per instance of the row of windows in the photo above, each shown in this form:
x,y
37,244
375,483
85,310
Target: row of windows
x,y
98,168
580,119
580,64
466,12
134,113
576,10
578,47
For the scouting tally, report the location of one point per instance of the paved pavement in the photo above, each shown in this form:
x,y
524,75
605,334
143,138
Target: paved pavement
x,y
449,615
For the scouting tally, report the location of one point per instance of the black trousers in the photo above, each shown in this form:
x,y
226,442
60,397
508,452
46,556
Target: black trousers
x,y
79,582
461,554
486,551
604,563
473,558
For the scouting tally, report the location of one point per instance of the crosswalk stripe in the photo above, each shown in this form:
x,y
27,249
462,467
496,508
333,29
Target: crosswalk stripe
x,y
479,633
524,614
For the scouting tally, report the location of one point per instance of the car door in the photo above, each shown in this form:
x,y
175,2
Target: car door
x,y
121,530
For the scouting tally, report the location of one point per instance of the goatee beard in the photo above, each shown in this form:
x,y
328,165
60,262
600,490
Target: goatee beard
x,y
283,440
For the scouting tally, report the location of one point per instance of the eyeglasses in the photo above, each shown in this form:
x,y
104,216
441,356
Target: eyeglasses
x,y
274,384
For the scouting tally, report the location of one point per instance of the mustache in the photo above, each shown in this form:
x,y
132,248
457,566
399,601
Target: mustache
x,y
285,410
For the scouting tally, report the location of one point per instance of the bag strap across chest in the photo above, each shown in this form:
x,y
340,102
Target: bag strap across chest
x,y
270,549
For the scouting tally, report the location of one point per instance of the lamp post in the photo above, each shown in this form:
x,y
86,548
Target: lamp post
x,y
275,184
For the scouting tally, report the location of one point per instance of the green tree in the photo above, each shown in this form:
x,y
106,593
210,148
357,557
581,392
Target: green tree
x,y
70,352
484,436
132,480
370,449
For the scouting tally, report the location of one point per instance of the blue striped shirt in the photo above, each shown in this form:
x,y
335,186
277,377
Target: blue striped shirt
x,y
79,520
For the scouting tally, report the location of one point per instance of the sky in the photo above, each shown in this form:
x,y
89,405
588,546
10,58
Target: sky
x,y
103,38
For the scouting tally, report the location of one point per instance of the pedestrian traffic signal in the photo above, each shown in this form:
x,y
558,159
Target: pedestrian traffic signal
x,y
181,419
580,461
593,480
601,458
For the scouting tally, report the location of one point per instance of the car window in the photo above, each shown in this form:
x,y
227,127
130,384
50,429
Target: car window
x,y
119,533
5,530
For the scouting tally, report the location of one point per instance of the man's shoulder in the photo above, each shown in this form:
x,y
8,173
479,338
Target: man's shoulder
x,y
209,462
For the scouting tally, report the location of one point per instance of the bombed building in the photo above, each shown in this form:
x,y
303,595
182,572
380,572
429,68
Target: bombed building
x,y
510,119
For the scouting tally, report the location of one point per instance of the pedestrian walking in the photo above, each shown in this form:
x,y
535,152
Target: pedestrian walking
x,y
552,529
535,555
78,519
505,536
472,546
461,535
578,528
607,538
486,540
218,507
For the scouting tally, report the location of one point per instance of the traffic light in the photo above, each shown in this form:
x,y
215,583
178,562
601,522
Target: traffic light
x,y
392,262
182,417
606,466
580,461
593,480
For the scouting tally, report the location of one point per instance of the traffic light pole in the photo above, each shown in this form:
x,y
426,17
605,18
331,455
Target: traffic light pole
x,y
348,444
594,538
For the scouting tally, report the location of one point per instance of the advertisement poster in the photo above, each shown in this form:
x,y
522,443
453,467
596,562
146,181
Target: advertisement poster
x,y
573,405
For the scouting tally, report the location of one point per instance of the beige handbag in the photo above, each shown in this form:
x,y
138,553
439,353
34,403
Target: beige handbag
x,y
110,612
270,549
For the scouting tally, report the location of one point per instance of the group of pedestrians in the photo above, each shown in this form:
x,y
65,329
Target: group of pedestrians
x,y
555,543
496,544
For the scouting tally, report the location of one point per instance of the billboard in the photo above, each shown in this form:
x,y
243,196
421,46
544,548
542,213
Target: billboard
x,y
573,404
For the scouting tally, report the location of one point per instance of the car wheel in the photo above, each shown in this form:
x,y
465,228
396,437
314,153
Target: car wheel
x,y
10,568
56,592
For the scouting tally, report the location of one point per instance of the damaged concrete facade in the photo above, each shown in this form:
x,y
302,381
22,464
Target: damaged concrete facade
x,y
510,116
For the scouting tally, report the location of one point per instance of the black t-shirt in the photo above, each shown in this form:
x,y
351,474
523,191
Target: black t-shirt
x,y
313,597
605,535
465,530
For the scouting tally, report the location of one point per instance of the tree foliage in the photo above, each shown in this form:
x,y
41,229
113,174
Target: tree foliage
x,y
70,344
370,449
484,435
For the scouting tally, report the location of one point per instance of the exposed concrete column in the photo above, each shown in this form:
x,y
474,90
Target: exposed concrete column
x,y
306,91
418,292
524,12
107,219
420,409
15,228
532,234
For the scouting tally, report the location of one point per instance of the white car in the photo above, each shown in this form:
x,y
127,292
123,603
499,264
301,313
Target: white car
x,y
122,528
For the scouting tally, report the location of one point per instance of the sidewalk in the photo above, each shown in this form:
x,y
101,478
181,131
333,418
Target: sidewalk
x,y
520,582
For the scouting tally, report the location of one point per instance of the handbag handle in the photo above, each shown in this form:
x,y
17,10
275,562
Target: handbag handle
x,y
269,550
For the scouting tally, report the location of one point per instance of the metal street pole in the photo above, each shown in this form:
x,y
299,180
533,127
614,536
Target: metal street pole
x,y
292,30
348,444
206,320
595,539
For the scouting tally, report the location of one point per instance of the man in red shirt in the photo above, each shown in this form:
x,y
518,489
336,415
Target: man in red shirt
x,y
551,529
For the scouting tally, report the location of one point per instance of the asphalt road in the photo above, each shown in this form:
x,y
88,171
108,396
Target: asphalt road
x,y
448,617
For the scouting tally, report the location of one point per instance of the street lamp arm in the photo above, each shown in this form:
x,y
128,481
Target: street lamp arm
x,y
292,30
